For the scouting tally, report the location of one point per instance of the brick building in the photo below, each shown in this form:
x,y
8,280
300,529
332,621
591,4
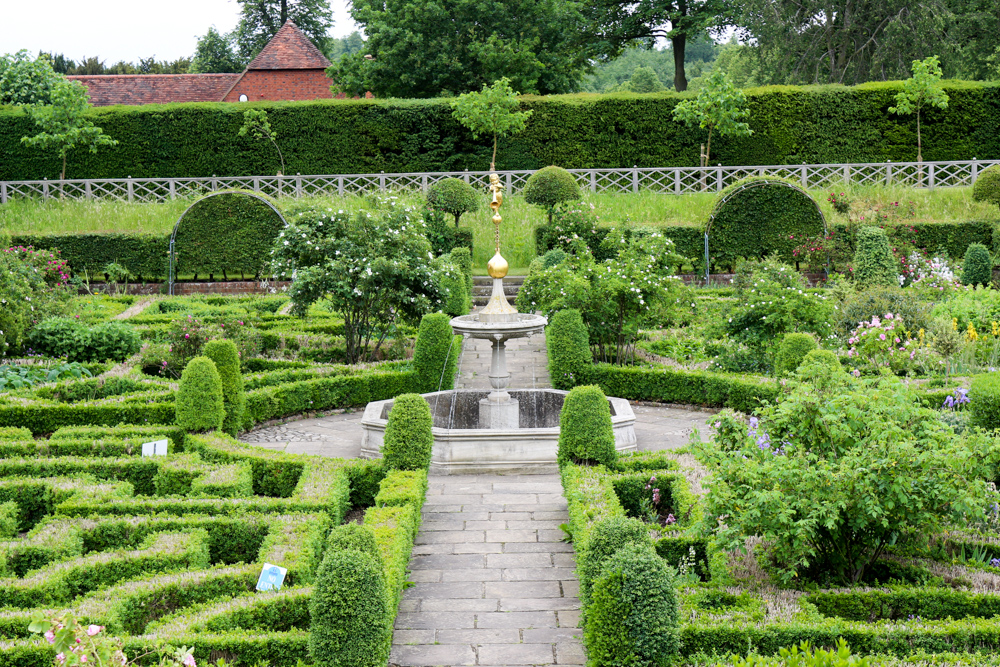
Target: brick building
x,y
290,67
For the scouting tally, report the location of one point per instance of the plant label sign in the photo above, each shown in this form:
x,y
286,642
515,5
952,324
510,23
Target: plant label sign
x,y
155,448
271,577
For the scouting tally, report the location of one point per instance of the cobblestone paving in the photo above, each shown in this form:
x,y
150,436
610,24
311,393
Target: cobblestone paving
x,y
494,582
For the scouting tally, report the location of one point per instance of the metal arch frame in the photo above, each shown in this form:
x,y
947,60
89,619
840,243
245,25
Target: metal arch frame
x,y
173,234
753,184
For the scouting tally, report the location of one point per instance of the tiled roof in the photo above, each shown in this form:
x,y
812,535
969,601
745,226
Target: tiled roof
x,y
289,49
108,89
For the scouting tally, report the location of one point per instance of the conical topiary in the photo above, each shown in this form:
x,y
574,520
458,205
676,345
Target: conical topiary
x,y
568,346
873,261
408,438
435,354
977,269
585,429
199,405
227,362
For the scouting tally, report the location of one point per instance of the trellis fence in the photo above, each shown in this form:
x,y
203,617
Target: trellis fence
x,y
672,180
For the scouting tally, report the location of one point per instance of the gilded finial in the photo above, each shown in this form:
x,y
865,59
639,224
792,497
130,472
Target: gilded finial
x,y
497,266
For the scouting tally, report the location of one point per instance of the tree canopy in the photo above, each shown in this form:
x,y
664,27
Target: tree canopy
x,y
24,80
215,53
260,20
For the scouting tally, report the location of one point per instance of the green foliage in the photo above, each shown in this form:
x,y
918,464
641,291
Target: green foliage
x,y
10,519
923,89
568,348
227,362
256,124
585,429
200,405
58,337
25,81
352,537
605,538
143,255
435,353
552,258
550,187
462,257
111,341
977,269
874,264
373,268
453,196
493,111
644,80
987,186
226,234
805,656
876,302
350,621
63,124
214,53
813,125
453,279
632,619
719,107
260,22
984,401
792,351
825,357
71,338
25,299
758,216
810,476
408,439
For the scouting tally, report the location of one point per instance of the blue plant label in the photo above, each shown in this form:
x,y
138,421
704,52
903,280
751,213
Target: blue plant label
x,y
271,577
155,448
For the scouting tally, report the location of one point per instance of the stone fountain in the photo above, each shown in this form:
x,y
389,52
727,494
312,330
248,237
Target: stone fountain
x,y
514,431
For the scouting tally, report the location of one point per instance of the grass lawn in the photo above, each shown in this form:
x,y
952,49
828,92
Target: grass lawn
x,y
520,218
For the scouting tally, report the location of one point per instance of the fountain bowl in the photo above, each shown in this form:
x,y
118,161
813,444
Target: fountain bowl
x,y
462,447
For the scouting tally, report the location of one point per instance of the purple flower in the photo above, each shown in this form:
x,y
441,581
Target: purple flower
x,y
995,562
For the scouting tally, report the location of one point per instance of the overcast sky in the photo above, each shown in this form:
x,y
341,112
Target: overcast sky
x,y
127,30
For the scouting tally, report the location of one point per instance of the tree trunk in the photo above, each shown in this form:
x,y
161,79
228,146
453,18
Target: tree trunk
x,y
493,160
284,11
678,45
62,174
920,155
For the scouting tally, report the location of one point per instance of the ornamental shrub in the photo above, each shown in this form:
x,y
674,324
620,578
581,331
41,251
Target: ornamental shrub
x,y
453,279
793,349
552,258
977,269
58,337
462,258
350,619
632,618
585,429
408,438
758,216
114,341
549,187
874,265
453,196
984,401
436,352
823,358
987,186
606,537
199,402
863,306
568,346
353,537
234,401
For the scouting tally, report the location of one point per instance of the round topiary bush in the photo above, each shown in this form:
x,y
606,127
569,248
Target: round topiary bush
x,y
453,196
199,404
352,536
568,345
585,429
605,538
822,357
632,619
553,257
791,351
977,269
408,438
873,261
987,186
757,216
350,619
115,341
549,187
984,401
234,400
436,352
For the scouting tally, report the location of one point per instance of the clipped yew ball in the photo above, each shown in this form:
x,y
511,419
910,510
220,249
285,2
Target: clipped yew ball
x,y
791,351
586,434
199,405
550,187
408,438
453,196
977,269
987,186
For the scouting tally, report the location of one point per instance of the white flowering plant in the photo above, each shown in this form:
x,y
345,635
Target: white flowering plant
x,y
373,268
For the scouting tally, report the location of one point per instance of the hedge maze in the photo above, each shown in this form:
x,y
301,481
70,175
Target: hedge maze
x,y
170,548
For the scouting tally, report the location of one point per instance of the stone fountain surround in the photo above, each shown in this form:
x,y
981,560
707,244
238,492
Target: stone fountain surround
x,y
460,447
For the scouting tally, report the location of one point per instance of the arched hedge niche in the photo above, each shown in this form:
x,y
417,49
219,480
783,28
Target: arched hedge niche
x,y
757,216
225,235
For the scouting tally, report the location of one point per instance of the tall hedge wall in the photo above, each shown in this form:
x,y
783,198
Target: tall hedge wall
x,y
792,125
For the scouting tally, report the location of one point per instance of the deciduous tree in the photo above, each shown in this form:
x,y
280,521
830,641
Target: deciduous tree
x,y
24,80
260,20
719,107
215,53
491,111
921,90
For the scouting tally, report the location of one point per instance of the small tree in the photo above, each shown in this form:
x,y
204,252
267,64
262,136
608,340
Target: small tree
x,y
492,111
921,90
256,124
24,80
644,80
719,107
550,186
63,125
453,196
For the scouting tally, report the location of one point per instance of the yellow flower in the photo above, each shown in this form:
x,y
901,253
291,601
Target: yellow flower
x,y
970,334
954,324
996,329
920,336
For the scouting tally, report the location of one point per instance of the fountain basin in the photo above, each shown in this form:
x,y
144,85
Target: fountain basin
x,y
462,447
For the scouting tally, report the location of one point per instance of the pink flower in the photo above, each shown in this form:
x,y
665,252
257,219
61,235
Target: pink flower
x,y
189,660
187,335
60,657
881,336
50,636
94,629
83,658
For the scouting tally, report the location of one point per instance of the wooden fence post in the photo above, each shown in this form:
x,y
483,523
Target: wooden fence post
x,y
635,179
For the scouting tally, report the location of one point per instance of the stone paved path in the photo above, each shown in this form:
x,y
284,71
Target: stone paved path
x,y
494,582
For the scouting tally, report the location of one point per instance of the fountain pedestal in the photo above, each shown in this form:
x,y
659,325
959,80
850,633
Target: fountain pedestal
x,y
498,410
